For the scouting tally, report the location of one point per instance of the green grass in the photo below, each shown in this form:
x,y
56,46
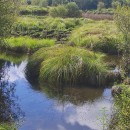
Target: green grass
x,y
98,36
26,44
65,64
47,27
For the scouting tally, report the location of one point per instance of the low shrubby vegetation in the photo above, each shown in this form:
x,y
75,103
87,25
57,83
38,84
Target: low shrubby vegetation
x,y
25,44
70,10
66,64
33,10
121,110
98,36
48,27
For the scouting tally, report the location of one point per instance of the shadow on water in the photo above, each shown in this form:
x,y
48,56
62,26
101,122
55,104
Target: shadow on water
x,y
9,108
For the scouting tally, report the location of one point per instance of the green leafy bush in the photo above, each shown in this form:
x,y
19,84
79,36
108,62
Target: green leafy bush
x,y
33,10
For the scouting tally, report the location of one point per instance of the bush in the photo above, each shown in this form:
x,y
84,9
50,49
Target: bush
x,y
121,119
65,64
33,10
73,10
59,11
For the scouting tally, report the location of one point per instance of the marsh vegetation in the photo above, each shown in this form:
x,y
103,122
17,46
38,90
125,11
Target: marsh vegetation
x,y
67,44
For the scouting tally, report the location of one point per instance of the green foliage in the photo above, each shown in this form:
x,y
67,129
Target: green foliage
x,y
122,110
33,10
65,64
7,16
48,27
41,3
73,10
6,126
122,20
59,11
69,10
26,44
98,36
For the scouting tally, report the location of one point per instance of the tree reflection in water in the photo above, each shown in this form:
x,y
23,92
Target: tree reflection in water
x,y
9,108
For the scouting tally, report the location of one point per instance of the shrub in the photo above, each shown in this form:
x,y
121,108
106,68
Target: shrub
x,y
73,10
59,11
33,10
65,64
121,119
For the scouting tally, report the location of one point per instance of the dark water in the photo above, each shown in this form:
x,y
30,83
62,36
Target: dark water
x,y
48,108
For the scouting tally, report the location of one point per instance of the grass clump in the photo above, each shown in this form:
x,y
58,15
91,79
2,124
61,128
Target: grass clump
x,y
65,64
98,36
26,44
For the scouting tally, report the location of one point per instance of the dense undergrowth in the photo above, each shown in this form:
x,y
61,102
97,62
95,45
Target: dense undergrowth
x,y
121,110
45,27
33,10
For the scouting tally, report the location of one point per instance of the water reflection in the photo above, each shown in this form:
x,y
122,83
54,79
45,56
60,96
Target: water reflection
x,y
77,95
55,108
9,108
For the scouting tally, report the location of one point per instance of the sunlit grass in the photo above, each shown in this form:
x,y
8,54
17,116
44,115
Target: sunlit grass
x,y
24,44
65,64
98,36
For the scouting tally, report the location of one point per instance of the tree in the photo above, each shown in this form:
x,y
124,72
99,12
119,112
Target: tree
x,y
73,10
7,16
122,20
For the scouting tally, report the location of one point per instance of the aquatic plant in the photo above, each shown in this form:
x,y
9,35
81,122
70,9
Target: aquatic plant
x,y
66,64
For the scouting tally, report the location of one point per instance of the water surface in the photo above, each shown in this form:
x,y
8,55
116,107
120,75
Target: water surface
x,y
45,107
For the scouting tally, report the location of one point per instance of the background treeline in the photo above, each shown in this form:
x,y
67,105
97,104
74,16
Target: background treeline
x,y
82,4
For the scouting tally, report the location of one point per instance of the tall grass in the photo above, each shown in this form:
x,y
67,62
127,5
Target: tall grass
x,y
26,44
46,27
65,64
98,36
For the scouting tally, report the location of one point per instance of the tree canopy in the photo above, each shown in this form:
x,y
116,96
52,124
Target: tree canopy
x,y
7,16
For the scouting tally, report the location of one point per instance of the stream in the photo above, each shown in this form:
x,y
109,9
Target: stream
x,y
44,107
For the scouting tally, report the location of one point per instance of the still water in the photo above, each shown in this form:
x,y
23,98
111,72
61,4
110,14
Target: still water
x,y
44,107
